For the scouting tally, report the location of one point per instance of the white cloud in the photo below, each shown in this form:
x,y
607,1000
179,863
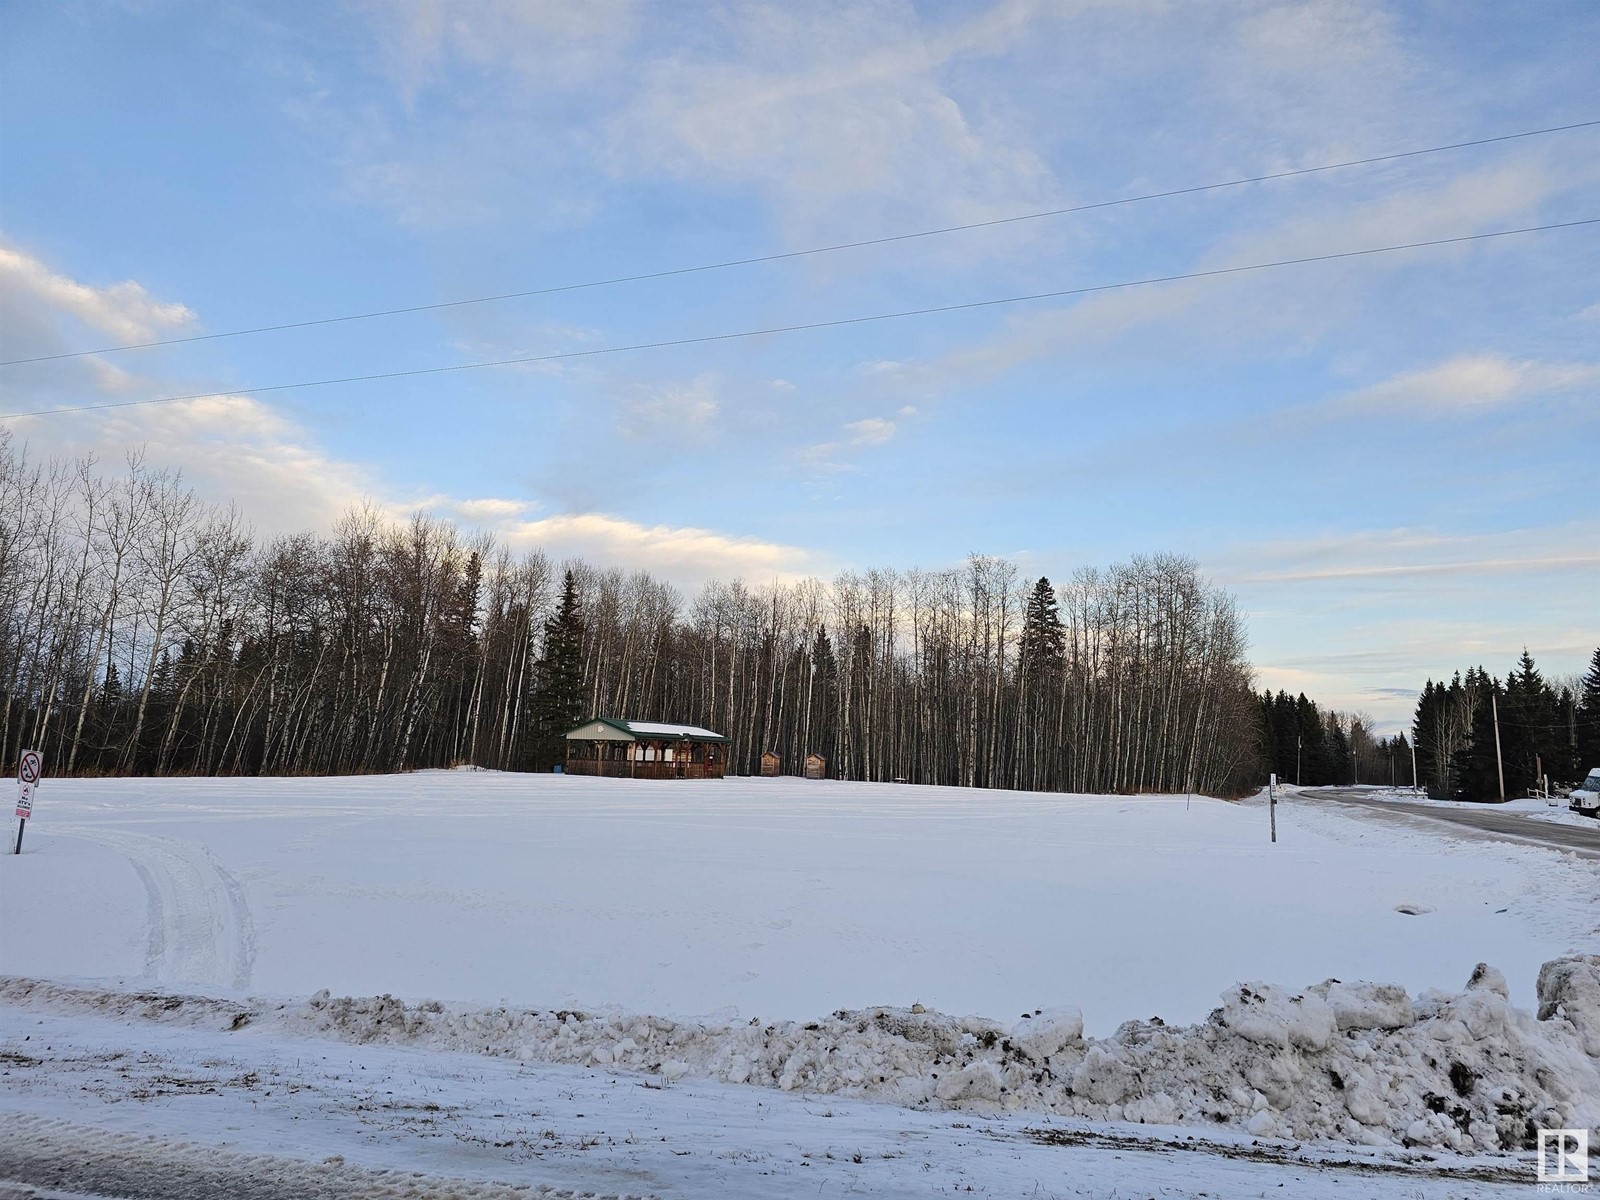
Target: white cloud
x,y
484,511
1389,554
1298,299
832,113
236,448
1471,383
870,431
552,43
229,448
823,457
1388,609
654,409
683,555
830,458
124,312
1318,76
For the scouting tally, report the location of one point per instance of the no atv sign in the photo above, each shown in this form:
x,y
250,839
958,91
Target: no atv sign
x,y
29,768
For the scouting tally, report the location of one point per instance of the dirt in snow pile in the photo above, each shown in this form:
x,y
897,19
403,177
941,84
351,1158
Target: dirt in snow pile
x,y
1352,1062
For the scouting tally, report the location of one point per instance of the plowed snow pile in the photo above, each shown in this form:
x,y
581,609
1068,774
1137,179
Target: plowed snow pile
x,y
1353,1062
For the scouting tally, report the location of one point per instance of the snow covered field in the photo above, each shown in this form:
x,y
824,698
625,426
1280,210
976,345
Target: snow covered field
x,y
769,898
789,934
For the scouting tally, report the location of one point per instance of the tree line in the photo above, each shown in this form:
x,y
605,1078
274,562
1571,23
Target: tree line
x,y
143,630
1305,744
1545,730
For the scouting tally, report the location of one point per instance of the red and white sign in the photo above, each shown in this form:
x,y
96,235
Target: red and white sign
x,y
29,769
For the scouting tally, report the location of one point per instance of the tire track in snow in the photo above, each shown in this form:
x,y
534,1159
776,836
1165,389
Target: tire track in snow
x,y
198,924
46,1158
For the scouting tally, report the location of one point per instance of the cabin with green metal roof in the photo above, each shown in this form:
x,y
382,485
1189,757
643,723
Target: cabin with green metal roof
x,y
623,749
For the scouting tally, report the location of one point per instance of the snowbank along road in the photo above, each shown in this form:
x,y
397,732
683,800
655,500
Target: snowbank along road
x,y
265,1103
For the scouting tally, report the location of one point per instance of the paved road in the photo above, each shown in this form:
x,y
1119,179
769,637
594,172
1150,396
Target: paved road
x,y
1486,821
53,1160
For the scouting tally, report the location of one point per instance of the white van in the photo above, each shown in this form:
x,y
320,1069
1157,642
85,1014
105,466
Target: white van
x,y
1586,796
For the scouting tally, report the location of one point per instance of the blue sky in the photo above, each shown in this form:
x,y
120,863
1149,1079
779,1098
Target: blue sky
x,y
1390,460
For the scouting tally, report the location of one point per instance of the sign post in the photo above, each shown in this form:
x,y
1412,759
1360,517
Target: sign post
x,y
29,769
1272,803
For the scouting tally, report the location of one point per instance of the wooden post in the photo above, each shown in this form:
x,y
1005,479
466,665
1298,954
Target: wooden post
x,y
1272,804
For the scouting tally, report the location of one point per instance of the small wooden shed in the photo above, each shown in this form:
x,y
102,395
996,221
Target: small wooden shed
x,y
619,749
816,767
771,764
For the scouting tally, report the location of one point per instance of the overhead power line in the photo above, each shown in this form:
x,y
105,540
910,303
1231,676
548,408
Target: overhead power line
x,y
834,323
792,254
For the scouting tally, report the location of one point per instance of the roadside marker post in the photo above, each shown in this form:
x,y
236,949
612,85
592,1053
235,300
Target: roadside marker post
x,y
1272,803
30,767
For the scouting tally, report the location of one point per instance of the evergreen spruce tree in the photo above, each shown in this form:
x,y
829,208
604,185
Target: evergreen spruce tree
x,y
1425,736
1587,721
1400,760
856,732
1043,645
557,701
1280,726
1041,661
1528,735
1315,753
1476,769
163,697
822,700
1286,728
1341,762
1267,734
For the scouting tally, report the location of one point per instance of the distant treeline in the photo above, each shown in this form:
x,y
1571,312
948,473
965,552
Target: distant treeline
x,y
144,631
1543,728
1303,743
1553,729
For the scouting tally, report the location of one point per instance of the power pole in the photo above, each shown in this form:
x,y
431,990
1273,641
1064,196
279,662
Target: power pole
x,y
1494,707
1297,740
1413,766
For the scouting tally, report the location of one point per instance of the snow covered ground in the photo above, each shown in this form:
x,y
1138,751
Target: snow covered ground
x,y
184,1107
647,951
758,898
